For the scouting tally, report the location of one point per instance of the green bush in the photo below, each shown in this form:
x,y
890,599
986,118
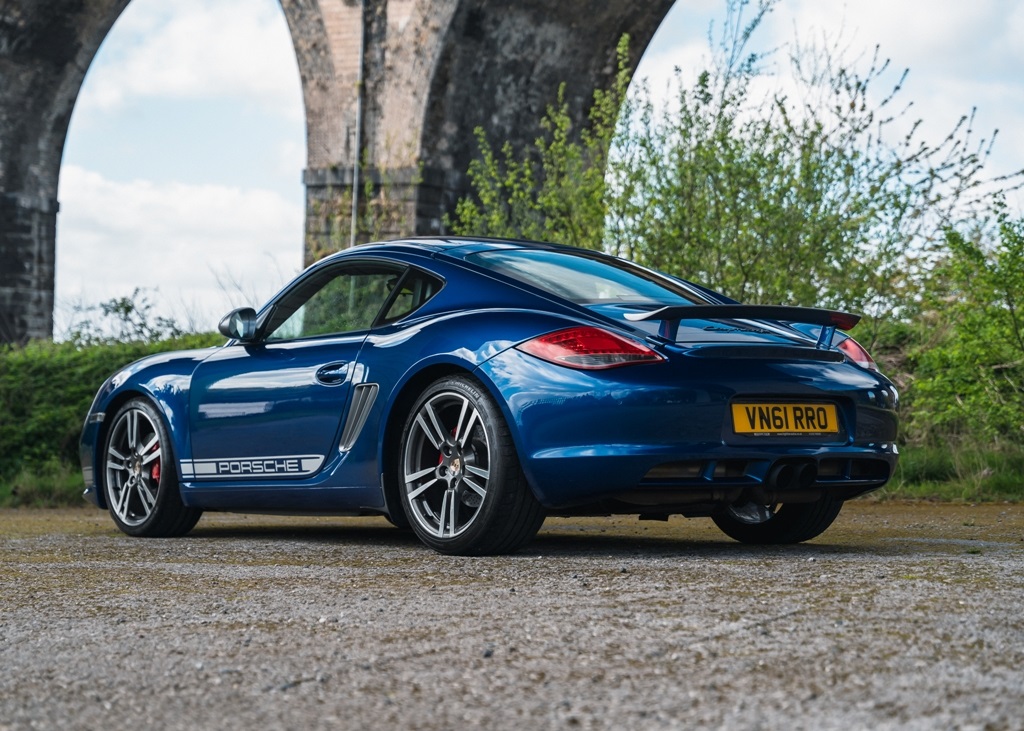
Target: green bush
x,y
48,484
969,374
808,196
968,472
45,391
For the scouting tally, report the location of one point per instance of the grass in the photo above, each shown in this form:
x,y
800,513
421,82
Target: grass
x,y
948,474
969,473
49,485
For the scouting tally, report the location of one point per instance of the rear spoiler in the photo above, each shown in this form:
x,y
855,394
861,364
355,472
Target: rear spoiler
x,y
671,316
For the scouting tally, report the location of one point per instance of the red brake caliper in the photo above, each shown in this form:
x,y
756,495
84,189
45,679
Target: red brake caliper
x,y
154,472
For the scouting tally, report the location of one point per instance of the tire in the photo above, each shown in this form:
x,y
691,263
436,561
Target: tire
x,y
461,484
140,478
398,520
791,523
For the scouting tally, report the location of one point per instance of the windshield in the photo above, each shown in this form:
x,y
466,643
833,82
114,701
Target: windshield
x,y
586,279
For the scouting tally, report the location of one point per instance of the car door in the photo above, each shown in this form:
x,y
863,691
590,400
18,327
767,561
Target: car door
x,y
273,409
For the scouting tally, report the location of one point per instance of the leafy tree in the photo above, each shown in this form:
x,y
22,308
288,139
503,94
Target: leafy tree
x,y
557,191
970,370
798,197
793,197
121,320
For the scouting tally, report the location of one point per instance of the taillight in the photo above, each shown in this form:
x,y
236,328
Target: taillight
x,y
588,348
855,352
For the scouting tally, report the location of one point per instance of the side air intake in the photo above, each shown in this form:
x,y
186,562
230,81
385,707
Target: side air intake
x,y
363,397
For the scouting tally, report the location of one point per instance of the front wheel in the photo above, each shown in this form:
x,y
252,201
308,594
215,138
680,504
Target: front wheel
x,y
140,480
789,523
462,487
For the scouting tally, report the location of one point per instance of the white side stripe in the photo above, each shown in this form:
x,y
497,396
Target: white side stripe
x,y
295,465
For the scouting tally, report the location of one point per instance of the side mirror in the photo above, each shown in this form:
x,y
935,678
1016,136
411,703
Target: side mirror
x,y
239,324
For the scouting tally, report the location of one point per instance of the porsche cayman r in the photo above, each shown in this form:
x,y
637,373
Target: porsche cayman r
x,y
468,388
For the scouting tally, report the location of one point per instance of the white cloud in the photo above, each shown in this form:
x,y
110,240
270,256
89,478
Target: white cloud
x,y
191,243
114,236
659,69
979,39
960,56
237,49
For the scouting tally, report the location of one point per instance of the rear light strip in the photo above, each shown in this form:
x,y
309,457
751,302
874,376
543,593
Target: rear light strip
x,y
589,348
856,352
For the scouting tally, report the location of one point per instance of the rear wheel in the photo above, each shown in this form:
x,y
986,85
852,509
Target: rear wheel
x,y
789,523
140,479
462,487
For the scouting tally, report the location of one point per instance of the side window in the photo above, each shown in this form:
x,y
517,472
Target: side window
x,y
412,291
343,299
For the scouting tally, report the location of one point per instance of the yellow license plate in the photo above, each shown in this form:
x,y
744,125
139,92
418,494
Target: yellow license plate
x,y
782,419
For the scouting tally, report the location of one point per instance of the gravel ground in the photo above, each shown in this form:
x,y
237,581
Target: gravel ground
x,y
899,617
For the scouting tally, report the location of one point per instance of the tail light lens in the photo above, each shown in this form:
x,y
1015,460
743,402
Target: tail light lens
x,y
855,352
589,348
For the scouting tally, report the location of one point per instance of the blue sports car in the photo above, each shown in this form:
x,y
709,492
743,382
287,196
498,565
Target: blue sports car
x,y
468,388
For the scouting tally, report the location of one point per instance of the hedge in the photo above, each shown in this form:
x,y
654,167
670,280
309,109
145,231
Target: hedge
x,y
46,389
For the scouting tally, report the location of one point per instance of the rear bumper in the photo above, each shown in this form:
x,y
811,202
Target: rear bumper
x,y
584,436
681,477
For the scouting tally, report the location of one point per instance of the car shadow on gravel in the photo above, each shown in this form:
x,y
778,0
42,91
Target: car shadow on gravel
x,y
633,546
335,534
584,543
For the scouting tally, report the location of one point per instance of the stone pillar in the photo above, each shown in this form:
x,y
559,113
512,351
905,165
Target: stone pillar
x,y
392,204
27,235
46,47
432,71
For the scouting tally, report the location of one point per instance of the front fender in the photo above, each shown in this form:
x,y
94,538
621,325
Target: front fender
x,y
164,379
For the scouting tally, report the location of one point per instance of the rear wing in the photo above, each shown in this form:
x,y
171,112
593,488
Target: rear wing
x,y
670,317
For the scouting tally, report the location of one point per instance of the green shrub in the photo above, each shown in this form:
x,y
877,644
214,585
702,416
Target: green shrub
x,y
48,484
967,472
969,378
45,391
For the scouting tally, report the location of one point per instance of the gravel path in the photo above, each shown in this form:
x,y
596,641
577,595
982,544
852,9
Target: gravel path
x,y
899,617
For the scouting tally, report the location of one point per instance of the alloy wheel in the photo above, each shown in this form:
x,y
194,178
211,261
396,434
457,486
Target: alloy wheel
x,y
446,465
133,467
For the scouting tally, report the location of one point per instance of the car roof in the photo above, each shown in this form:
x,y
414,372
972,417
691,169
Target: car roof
x,y
455,246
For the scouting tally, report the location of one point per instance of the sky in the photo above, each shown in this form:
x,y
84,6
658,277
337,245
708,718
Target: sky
x,y
182,169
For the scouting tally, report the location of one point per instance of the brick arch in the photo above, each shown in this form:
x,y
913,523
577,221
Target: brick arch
x,y
500,66
431,71
45,50
436,69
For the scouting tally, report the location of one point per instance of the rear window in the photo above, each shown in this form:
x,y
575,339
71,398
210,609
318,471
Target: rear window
x,y
584,278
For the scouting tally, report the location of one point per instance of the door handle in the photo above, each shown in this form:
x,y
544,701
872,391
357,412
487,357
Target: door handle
x,y
332,374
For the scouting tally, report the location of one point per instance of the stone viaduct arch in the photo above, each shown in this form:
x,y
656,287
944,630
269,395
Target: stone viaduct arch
x,y
430,70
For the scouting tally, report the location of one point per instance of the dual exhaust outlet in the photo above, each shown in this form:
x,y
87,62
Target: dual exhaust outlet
x,y
788,481
791,474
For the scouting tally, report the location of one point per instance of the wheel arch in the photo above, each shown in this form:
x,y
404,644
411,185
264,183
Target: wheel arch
x,y
111,408
391,433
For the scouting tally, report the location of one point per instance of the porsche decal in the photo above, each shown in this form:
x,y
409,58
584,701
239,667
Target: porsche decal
x,y
300,465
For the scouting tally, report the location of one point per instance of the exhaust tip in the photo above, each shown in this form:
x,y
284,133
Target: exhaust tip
x,y
791,475
781,475
805,475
